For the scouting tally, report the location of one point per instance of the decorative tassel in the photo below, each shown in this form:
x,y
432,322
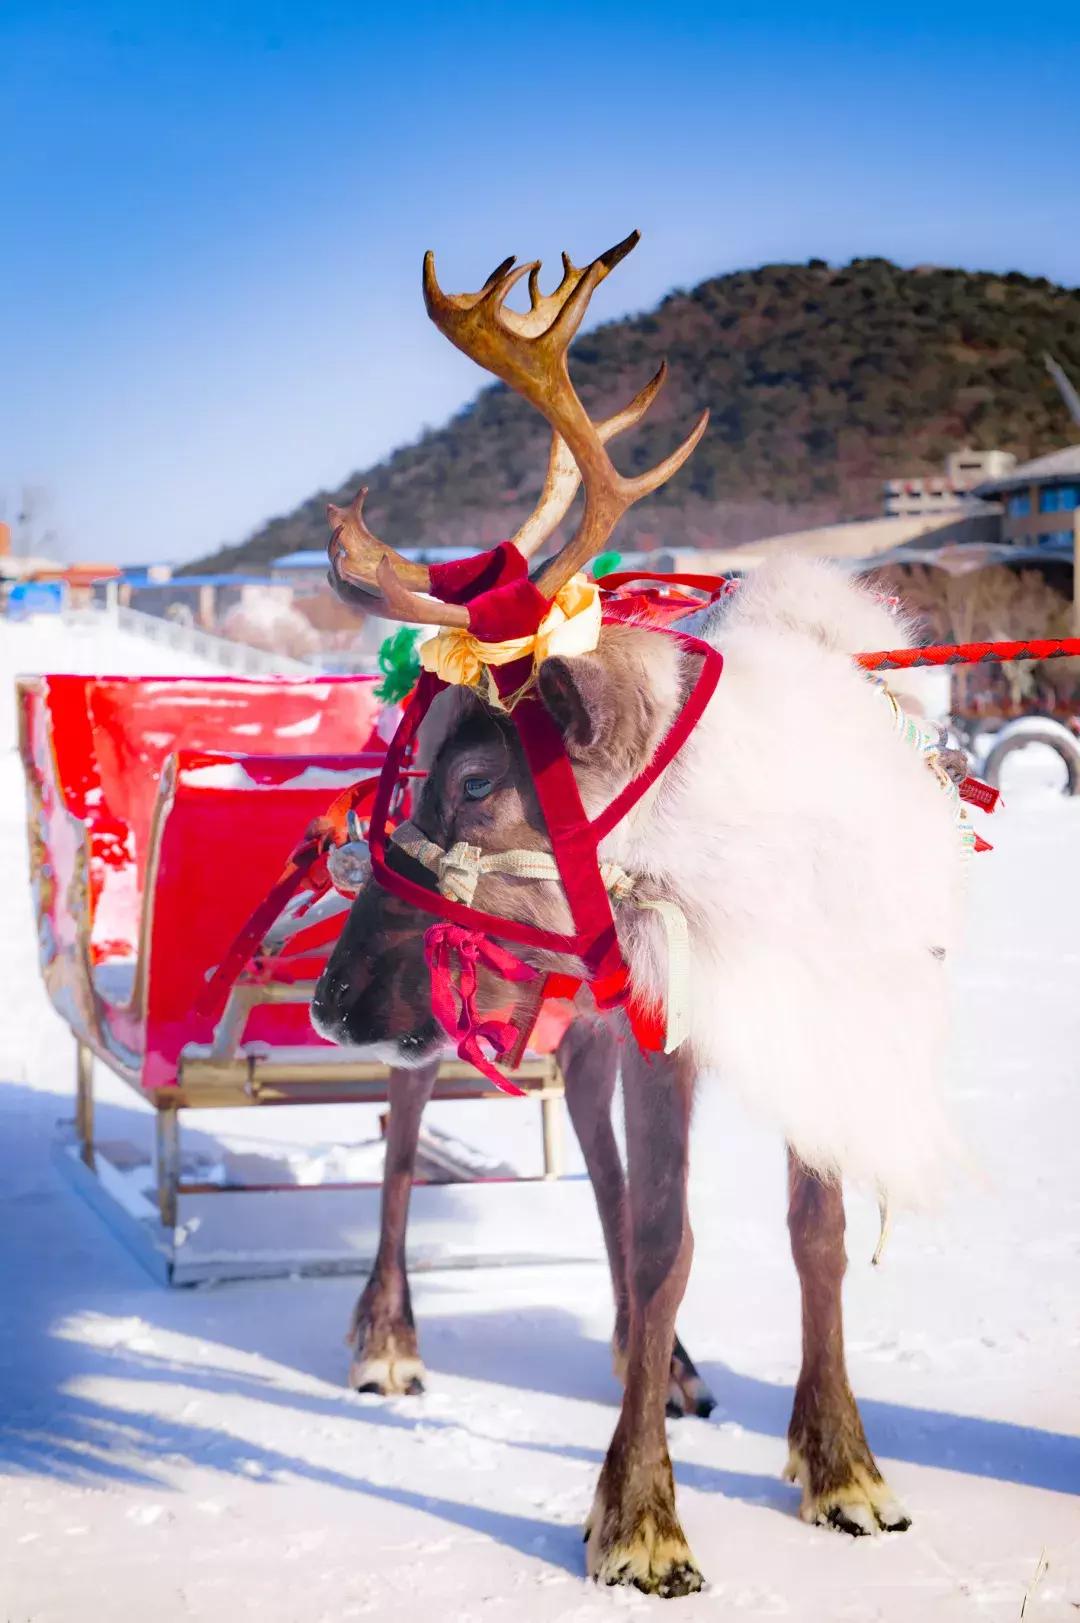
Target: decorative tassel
x,y
399,662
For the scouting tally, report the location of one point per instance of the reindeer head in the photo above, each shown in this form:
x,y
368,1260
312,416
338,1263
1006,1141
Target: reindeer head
x,y
612,705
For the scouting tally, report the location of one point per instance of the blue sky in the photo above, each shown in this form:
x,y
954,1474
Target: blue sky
x,y
214,214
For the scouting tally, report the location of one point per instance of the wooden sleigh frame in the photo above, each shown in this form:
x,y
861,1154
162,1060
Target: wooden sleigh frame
x,y
155,842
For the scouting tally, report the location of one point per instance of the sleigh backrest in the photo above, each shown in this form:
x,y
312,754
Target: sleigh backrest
x,y
106,740
112,734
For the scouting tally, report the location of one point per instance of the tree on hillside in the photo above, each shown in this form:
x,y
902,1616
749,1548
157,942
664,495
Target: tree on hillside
x,y
992,605
822,382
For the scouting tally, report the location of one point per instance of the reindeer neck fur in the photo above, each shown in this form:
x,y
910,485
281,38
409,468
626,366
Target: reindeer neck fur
x,y
818,867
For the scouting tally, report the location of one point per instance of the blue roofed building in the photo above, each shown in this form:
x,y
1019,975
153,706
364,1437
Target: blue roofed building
x,y
1041,500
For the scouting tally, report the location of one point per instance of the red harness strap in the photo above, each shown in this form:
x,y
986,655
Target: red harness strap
x,y
305,869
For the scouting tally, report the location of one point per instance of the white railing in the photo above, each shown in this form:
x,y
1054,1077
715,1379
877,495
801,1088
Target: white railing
x,y
223,651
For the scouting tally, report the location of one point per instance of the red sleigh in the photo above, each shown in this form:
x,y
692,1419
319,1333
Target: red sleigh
x,y
182,920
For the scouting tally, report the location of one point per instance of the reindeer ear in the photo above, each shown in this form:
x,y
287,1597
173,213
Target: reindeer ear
x,y
617,702
578,693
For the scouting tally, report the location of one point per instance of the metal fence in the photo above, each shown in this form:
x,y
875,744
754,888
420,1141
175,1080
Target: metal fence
x,y
223,651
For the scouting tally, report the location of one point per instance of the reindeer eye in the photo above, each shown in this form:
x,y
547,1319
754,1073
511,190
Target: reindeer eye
x,y
477,788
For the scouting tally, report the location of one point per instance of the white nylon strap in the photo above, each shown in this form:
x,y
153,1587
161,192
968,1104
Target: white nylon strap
x,y
677,997
460,870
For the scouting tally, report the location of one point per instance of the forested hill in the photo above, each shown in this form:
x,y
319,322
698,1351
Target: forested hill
x,y
822,383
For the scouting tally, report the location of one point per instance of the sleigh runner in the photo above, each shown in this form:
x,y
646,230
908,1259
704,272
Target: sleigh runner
x,y
183,918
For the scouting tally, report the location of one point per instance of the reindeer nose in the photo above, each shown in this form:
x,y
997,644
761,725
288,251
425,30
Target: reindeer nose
x,y
330,1005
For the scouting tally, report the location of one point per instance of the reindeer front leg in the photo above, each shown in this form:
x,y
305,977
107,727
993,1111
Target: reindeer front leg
x,y
588,1060
633,1533
382,1333
829,1455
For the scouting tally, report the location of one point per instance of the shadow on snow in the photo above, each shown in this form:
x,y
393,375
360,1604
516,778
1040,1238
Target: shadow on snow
x,y
67,1264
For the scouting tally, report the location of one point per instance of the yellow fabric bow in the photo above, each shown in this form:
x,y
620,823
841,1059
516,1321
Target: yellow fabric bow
x,y
571,626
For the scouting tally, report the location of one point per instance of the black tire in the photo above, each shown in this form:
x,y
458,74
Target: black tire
x,y
1055,737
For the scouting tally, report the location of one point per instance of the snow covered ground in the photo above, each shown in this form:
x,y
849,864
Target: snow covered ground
x,y
195,1455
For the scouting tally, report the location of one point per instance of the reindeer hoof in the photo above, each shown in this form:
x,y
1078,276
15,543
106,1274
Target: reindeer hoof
x,y
388,1376
682,1578
864,1504
687,1392
658,1562
669,1571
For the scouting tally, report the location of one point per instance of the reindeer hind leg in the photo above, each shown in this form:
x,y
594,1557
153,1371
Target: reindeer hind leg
x,y
829,1456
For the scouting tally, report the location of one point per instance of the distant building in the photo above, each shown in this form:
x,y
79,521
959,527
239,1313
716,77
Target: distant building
x,y
857,543
1041,499
952,491
142,574
967,468
919,498
305,568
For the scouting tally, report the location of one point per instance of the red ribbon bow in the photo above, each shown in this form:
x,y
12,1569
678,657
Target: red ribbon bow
x,y
445,942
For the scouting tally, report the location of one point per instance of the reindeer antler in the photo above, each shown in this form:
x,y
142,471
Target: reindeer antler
x,y
364,568
564,476
528,352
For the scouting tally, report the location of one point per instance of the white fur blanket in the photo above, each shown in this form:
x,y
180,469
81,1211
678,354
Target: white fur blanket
x,y
819,866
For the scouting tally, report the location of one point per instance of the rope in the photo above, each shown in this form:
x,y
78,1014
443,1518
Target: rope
x,y
970,653
450,948
460,869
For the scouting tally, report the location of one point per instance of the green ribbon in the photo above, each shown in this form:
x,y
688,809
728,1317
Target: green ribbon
x,y
399,663
606,564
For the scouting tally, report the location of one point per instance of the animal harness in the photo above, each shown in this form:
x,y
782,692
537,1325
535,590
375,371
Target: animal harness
x,y
458,947
510,613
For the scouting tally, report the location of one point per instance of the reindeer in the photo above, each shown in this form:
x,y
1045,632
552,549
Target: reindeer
x,y
814,859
